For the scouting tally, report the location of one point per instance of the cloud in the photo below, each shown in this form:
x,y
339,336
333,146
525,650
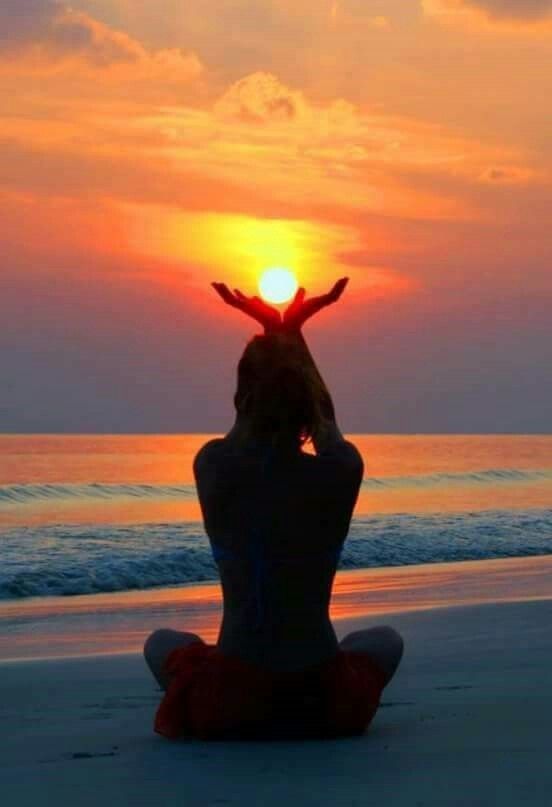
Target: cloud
x,y
499,12
262,143
347,151
513,9
508,175
260,97
41,34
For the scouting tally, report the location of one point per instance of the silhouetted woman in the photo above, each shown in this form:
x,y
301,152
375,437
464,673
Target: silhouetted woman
x,y
276,518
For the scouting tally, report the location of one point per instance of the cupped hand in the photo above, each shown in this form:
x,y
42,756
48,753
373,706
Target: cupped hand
x,y
254,307
300,310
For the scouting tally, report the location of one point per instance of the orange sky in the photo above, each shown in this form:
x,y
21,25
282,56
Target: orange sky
x,y
148,147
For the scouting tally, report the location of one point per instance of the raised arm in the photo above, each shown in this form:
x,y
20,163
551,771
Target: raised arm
x,y
289,326
330,433
298,312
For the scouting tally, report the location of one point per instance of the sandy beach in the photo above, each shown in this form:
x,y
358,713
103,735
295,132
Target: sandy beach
x,y
464,722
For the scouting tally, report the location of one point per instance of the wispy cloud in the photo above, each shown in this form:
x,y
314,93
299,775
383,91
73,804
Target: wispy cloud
x,y
264,138
46,35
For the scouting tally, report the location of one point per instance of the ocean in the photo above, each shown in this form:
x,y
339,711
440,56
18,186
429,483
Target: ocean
x,y
84,514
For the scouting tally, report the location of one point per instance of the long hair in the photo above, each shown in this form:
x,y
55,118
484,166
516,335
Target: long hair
x,y
278,395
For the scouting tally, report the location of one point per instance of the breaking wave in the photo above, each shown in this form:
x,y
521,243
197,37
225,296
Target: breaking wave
x,y
69,560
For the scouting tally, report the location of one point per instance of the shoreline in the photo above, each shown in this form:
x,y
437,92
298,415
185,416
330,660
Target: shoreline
x,y
118,622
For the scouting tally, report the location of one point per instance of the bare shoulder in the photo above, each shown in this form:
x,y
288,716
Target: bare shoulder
x,y
207,454
341,449
353,454
340,454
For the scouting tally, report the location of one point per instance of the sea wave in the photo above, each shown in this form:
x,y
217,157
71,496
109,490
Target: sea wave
x,y
26,494
31,493
70,560
491,476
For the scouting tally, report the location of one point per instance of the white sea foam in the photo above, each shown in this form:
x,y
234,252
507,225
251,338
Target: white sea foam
x,y
68,560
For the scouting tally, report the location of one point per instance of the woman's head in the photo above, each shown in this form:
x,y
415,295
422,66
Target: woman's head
x,y
278,396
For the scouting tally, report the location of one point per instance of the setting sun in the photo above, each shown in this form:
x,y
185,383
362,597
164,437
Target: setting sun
x,y
278,285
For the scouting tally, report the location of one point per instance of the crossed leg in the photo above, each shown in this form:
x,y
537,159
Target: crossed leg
x,y
159,644
383,643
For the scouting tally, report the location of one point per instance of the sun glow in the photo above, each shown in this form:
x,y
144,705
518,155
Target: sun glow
x,y
243,250
277,285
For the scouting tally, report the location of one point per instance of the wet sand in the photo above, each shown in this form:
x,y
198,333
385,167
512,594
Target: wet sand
x,y
465,721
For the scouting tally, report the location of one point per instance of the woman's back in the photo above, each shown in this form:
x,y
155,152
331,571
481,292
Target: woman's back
x,y
277,523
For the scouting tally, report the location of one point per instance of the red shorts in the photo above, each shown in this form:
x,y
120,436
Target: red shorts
x,y
214,696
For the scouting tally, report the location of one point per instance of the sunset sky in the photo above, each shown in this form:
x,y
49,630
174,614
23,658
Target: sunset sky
x,y
148,147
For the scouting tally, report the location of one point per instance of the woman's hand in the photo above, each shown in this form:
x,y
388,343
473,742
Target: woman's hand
x,y
300,310
254,307
296,314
